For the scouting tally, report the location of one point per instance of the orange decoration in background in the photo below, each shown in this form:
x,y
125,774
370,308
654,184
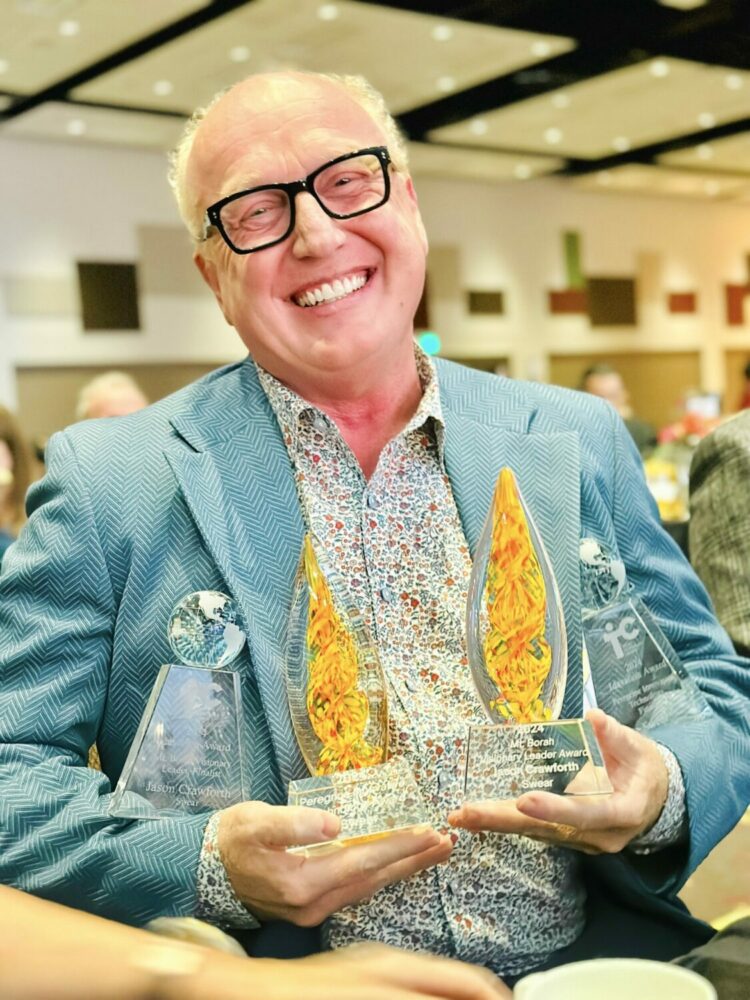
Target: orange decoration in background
x,y
517,655
337,709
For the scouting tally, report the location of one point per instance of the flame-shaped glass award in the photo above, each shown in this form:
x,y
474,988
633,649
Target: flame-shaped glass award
x,y
187,753
637,676
339,707
519,659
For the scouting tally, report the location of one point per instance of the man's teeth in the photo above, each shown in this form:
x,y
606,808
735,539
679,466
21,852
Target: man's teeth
x,y
338,289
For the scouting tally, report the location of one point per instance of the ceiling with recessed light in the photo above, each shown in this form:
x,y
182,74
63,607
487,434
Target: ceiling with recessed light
x,y
620,95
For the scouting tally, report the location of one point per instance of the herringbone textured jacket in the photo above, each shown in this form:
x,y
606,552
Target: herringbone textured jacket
x,y
196,492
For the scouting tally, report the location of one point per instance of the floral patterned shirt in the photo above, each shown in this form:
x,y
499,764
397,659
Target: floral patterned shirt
x,y
397,542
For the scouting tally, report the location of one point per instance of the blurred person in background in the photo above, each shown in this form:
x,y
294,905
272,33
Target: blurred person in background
x,y
15,478
606,382
720,523
113,394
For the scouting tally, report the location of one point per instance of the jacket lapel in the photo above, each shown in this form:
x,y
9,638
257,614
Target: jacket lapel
x,y
232,467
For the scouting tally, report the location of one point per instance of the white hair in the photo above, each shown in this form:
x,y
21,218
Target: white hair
x,y
357,87
105,386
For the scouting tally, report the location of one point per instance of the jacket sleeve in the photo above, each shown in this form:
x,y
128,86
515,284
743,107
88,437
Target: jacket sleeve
x,y
57,618
720,525
713,753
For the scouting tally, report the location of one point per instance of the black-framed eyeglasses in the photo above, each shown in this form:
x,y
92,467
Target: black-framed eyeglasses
x,y
263,216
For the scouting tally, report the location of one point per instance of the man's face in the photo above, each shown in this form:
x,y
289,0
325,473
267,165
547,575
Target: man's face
x,y
608,386
280,129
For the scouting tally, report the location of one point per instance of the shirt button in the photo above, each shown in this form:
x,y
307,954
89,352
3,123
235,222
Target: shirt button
x,y
320,423
387,595
372,502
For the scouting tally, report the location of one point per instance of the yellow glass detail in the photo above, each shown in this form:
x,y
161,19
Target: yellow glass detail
x,y
517,655
338,710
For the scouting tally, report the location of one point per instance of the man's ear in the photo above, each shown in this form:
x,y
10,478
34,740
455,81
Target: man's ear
x,y
210,275
412,195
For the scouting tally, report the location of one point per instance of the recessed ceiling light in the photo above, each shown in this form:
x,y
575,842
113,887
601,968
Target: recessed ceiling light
x,y
68,29
541,49
479,126
712,187
683,4
4,65
445,84
553,135
76,126
621,144
704,151
659,68
604,177
328,12
522,171
560,101
733,81
706,119
239,53
163,87
442,32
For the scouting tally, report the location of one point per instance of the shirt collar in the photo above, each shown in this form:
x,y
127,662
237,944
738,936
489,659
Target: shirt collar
x,y
289,407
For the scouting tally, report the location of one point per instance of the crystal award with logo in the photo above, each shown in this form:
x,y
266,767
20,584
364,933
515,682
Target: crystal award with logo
x,y
518,656
636,675
339,709
187,753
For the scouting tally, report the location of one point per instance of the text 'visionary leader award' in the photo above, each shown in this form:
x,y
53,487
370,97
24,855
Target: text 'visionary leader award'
x,y
339,708
518,656
187,753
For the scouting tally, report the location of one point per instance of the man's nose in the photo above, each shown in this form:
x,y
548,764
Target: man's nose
x,y
315,233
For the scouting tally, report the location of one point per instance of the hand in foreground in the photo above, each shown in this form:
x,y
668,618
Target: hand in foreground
x,y
377,972
276,885
593,824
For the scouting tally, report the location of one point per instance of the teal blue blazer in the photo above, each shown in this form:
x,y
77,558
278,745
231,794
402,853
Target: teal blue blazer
x,y
197,492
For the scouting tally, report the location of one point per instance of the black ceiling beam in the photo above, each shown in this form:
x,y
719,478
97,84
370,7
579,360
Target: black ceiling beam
x,y
59,91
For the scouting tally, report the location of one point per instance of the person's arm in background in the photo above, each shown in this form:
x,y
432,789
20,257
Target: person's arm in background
x,y
720,524
49,952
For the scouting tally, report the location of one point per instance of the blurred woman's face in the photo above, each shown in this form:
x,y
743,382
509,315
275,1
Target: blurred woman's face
x,y
6,465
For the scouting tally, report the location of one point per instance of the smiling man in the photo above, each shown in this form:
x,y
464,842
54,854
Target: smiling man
x,y
295,188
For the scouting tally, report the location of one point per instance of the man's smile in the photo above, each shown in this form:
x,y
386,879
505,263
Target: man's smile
x,y
333,290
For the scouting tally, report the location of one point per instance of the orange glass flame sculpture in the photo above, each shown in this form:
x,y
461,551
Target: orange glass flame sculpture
x,y
338,708
515,627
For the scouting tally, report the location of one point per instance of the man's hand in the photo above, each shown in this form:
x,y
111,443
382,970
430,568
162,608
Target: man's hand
x,y
276,885
593,824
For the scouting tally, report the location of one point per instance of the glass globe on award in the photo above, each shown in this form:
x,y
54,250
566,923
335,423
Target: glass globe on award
x,y
187,753
518,656
339,708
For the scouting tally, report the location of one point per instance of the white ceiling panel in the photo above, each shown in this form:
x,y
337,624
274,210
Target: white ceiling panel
x,y
68,122
427,160
43,41
731,155
612,113
412,58
638,179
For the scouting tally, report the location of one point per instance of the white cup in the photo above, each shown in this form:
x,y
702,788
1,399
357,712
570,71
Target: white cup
x,y
615,979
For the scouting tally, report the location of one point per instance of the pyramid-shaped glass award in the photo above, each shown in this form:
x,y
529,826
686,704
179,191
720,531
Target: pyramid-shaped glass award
x,y
519,659
637,676
339,707
186,756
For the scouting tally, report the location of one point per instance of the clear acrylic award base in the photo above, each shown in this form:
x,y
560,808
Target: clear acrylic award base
x,y
371,803
637,676
186,756
563,757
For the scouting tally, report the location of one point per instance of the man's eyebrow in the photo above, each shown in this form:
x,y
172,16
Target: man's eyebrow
x,y
244,180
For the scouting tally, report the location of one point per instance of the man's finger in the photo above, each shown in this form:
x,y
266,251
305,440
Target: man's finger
x,y
363,863
586,814
283,826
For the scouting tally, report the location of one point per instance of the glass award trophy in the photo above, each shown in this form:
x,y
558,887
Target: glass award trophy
x,y
636,675
186,756
518,656
339,708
